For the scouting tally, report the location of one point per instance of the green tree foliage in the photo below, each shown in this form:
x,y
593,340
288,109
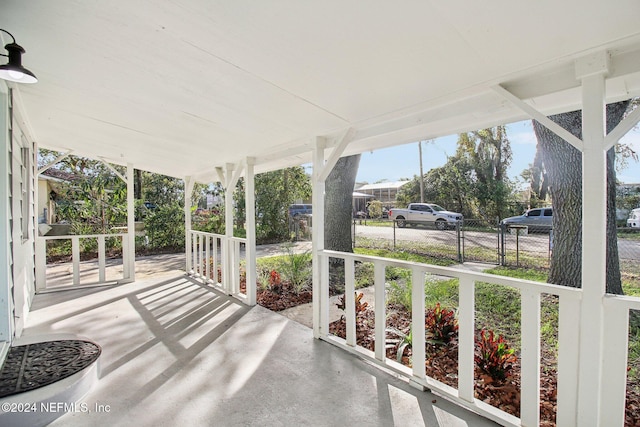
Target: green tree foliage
x,y
489,154
474,181
94,199
375,209
275,191
91,197
165,228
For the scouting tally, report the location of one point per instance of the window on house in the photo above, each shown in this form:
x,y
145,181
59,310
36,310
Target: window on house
x,y
26,191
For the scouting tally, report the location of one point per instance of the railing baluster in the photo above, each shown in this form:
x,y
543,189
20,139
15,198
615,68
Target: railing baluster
x,y
614,363
75,259
126,271
207,258
568,357
224,265
530,366
235,265
466,335
194,269
417,322
324,292
41,263
380,311
350,301
216,244
101,259
199,255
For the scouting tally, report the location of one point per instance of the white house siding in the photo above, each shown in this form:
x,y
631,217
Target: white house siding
x,y
23,213
17,221
6,276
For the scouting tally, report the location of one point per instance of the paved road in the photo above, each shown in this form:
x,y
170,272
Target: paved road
x,y
533,243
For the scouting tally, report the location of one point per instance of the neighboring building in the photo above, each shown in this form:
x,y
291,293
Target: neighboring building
x,y
386,192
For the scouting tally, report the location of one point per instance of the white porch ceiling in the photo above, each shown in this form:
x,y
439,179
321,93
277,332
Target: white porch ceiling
x,y
180,87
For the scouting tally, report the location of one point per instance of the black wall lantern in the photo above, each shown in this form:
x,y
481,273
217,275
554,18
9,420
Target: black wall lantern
x,y
13,70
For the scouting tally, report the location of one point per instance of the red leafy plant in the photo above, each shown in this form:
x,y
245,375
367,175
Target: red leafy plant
x,y
274,278
493,355
275,282
360,305
440,324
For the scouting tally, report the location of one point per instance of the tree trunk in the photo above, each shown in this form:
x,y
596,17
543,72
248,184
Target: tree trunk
x,y
137,184
563,164
338,204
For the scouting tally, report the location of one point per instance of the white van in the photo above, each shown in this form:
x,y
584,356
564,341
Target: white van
x,y
634,219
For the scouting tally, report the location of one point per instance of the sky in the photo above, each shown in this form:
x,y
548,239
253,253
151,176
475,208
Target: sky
x,y
394,163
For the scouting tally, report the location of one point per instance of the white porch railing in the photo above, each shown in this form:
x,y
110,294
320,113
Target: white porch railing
x,y
76,276
568,355
216,259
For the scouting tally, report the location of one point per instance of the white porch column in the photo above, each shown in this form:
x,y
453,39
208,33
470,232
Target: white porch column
x,y
592,71
188,189
250,249
228,225
317,235
130,262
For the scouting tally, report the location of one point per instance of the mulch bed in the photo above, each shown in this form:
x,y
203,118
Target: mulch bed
x,y
442,364
282,297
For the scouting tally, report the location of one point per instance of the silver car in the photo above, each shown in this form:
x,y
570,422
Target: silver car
x,y
536,220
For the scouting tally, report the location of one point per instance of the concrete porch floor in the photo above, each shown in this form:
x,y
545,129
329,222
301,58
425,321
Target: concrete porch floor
x,y
178,352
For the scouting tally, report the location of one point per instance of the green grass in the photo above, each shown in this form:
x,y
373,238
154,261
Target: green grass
x,y
375,222
629,235
404,256
520,273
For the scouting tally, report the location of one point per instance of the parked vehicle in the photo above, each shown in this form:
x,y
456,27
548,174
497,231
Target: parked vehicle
x,y
536,220
634,218
299,209
425,214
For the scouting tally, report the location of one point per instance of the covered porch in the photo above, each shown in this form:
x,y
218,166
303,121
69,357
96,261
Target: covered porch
x,y
258,87
176,350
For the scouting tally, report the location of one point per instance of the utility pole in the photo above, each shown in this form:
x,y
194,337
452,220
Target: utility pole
x,y
421,174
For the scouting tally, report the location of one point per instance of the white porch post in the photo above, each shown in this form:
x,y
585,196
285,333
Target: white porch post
x,y
188,189
130,262
592,71
250,249
228,224
317,236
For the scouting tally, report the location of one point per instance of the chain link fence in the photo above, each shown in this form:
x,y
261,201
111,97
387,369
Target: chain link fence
x,y
518,247
473,240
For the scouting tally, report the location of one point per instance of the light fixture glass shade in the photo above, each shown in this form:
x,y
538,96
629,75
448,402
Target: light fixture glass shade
x,y
14,71
21,75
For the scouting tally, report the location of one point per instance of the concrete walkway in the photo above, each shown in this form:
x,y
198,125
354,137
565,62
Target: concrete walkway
x,y
303,313
176,352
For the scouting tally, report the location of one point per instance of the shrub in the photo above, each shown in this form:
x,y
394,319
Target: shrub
x,y
296,269
403,341
441,324
263,279
165,228
493,355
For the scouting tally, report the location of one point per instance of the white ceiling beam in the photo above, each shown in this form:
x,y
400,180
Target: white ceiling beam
x,y
57,160
112,169
537,115
221,175
621,130
237,173
344,140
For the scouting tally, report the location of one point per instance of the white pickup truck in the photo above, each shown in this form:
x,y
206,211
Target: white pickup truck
x,y
425,214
